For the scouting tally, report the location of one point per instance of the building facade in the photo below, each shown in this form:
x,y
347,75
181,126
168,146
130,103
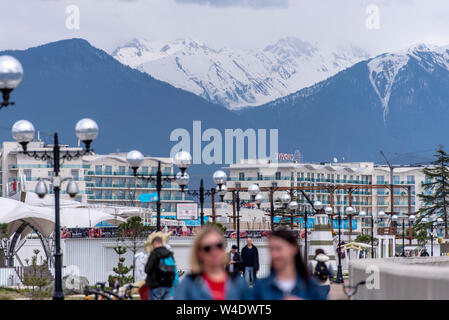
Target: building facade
x,y
292,174
103,180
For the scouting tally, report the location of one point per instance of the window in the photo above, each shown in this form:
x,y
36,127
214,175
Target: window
x,y
278,176
108,169
410,179
259,176
380,179
396,179
98,168
241,176
238,185
75,174
27,174
121,169
145,170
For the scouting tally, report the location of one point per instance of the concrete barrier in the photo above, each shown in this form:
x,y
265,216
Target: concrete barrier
x,y
401,278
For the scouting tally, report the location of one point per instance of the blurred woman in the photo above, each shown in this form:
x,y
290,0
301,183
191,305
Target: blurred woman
x,y
289,278
209,279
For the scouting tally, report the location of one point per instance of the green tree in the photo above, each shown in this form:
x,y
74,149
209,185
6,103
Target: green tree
x,y
133,233
365,238
436,189
121,270
36,275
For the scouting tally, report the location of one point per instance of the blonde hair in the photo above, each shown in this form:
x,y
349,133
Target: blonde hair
x,y
195,263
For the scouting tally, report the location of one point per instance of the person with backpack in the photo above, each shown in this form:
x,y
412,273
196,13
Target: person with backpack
x,y
161,271
322,270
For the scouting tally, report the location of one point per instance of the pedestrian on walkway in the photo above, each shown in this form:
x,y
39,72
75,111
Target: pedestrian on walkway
x,y
289,278
235,260
161,270
250,259
322,270
208,278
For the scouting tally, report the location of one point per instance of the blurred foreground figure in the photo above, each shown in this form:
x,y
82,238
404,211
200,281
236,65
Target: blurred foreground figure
x,y
289,278
209,279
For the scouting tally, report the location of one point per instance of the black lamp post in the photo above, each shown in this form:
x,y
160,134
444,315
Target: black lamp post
x,y
253,190
395,218
339,278
182,159
362,215
201,193
11,74
431,222
86,131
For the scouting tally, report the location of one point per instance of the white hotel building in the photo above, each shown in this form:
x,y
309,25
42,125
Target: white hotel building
x,y
287,174
104,180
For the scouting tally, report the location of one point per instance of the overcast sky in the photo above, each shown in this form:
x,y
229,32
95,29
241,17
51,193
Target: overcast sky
x,y
246,24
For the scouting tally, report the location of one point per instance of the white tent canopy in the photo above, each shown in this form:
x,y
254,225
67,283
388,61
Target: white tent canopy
x,y
14,213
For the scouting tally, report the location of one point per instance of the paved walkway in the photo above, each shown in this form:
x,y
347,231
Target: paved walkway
x,y
336,292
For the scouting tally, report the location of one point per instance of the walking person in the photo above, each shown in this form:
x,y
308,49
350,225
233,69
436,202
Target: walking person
x,y
161,270
322,270
208,278
289,278
235,260
250,261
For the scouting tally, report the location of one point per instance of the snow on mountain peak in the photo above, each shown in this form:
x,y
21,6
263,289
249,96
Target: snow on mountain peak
x,y
384,69
237,78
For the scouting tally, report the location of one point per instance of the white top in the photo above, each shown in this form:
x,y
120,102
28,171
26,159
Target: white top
x,y
286,286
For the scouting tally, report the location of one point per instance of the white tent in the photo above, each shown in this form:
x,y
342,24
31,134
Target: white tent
x,y
14,213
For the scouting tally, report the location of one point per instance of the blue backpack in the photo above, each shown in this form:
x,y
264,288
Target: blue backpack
x,y
166,272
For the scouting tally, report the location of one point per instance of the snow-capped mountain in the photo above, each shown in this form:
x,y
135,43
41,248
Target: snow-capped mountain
x,y
395,101
384,70
237,78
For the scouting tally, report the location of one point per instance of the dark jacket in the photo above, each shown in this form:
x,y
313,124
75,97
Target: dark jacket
x,y
266,289
193,287
245,259
237,264
153,264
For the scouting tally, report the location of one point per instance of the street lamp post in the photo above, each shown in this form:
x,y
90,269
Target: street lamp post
x,y
182,159
11,74
438,221
86,131
201,194
253,190
339,267
220,178
363,214
395,218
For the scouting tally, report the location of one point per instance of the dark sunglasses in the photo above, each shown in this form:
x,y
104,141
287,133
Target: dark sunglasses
x,y
209,247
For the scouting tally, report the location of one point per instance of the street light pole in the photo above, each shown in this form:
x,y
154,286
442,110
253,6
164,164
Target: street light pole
x,y
182,159
238,221
11,74
58,293
339,268
403,237
86,131
372,236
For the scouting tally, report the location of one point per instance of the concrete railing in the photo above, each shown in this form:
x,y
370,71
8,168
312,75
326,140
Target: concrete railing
x,y
401,278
